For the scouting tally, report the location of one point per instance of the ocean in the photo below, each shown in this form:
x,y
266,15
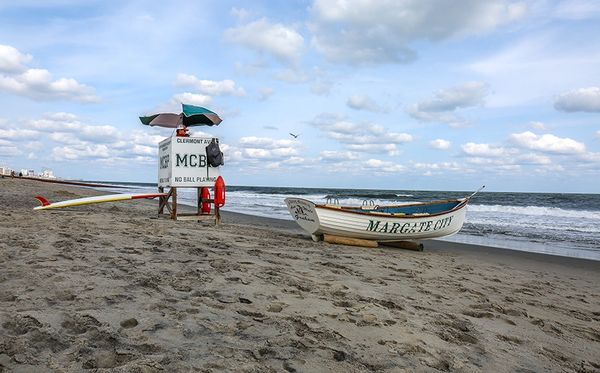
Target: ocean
x,y
553,223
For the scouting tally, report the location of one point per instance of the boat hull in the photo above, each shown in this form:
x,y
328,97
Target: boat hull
x,y
318,220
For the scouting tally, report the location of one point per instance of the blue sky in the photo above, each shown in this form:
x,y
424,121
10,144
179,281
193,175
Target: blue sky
x,y
412,94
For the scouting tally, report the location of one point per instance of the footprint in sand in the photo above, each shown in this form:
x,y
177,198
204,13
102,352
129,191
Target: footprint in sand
x,y
129,323
509,339
456,331
276,307
107,360
22,324
343,303
79,324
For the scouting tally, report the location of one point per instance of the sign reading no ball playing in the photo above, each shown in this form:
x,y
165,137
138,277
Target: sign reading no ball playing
x,y
182,162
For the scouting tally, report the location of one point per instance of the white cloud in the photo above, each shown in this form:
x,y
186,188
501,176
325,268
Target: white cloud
x,y
71,139
438,167
281,41
189,98
396,138
390,149
99,134
533,158
295,161
548,143
142,137
240,13
61,116
379,166
34,145
210,87
363,102
20,134
265,93
598,134
320,83
17,78
369,138
337,156
336,124
465,95
251,149
486,150
583,99
284,152
38,84
67,128
11,60
363,32
322,87
81,151
441,106
9,150
266,142
590,157
293,76
519,71
577,9
257,153
433,117
64,138
548,153
538,126
514,162
440,144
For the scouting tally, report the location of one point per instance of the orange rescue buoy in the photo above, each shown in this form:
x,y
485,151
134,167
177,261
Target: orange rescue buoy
x,y
219,192
205,194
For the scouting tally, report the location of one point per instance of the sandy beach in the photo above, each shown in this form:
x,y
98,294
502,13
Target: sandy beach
x,y
113,288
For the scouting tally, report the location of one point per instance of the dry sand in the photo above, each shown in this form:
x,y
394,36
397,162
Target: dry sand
x,y
111,288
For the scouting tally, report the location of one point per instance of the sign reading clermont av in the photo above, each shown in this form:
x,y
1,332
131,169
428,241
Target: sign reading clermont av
x,y
183,163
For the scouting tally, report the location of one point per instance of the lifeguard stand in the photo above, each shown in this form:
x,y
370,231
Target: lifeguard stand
x,y
183,163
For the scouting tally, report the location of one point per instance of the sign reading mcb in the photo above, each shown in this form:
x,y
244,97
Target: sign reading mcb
x,y
183,162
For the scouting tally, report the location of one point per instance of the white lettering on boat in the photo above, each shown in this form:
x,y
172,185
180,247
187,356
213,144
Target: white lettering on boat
x,y
302,211
416,227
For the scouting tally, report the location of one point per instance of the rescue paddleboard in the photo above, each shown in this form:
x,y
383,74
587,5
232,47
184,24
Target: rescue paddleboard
x,y
89,200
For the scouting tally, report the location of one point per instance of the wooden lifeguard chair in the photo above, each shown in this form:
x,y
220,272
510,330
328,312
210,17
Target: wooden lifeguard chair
x,y
183,164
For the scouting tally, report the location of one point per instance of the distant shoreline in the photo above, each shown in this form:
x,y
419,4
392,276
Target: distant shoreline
x,y
66,182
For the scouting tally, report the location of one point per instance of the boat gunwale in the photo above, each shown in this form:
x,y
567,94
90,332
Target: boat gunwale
x,y
462,203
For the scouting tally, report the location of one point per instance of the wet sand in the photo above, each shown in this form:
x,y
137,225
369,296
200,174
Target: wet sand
x,y
113,288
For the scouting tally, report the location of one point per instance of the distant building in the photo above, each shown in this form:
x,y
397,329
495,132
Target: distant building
x,y
48,174
5,170
28,173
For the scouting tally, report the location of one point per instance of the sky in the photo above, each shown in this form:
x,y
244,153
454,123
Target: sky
x,y
388,94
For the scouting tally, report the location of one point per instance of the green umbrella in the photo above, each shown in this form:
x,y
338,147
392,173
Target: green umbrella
x,y
190,116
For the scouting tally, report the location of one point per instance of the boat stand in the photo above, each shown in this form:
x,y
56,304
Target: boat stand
x,y
340,240
163,203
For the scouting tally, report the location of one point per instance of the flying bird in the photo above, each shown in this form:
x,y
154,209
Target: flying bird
x,y
294,136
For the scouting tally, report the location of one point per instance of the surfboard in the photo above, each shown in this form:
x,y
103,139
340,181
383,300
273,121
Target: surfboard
x,y
89,200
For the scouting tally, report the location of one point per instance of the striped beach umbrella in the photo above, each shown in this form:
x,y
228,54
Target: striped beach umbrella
x,y
190,116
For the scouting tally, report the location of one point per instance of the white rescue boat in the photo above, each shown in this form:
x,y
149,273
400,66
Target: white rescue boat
x,y
416,221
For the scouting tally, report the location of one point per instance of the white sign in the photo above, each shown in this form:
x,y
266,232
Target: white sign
x,y
182,162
